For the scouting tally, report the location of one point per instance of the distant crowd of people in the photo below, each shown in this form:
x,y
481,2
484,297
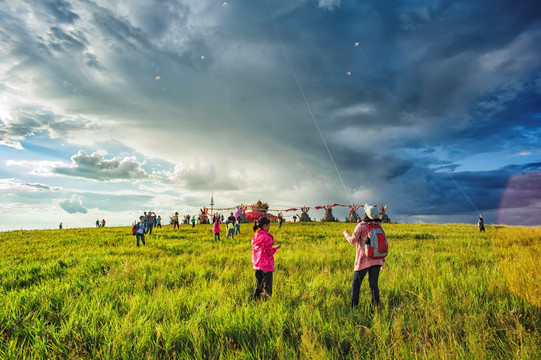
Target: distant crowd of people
x,y
187,220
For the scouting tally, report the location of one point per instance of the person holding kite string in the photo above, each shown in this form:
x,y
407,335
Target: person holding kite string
x,y
263,258
364,264
481,223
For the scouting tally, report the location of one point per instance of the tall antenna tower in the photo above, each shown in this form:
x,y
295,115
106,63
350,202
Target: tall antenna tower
x,y
211,203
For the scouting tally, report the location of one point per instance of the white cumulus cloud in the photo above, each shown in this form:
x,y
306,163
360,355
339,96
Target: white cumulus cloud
x,y
96,167
73,205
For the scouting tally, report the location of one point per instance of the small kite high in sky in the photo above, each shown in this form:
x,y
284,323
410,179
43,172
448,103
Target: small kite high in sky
x,y
348,73
158,78
225,4
202,57
356,44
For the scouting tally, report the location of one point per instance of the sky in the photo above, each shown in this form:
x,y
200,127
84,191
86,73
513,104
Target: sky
x,y
112,108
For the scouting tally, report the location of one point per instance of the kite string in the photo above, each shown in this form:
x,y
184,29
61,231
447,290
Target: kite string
x,y
408,118
225,118
308,105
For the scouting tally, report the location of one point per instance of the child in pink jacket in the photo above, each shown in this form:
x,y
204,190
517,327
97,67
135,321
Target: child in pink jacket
x,y
263,258
216,228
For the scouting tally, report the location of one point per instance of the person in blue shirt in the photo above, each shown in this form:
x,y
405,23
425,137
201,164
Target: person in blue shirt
x,y
140,232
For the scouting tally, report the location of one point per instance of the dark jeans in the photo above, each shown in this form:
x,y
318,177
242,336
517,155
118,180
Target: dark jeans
x,y
216,236
263,284
140,236
149,228
358,276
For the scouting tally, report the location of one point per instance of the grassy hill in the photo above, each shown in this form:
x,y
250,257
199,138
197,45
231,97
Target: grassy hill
x,y
448,293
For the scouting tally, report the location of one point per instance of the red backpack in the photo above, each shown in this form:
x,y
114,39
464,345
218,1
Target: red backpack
x,y
376,246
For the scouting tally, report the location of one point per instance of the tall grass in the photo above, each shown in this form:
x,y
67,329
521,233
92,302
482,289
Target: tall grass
x,y
448,292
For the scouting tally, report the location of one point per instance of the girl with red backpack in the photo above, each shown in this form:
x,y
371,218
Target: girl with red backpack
x,y
363,263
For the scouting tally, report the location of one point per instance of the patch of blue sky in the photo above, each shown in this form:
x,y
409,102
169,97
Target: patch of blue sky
x,y
439,158
496,160
42,147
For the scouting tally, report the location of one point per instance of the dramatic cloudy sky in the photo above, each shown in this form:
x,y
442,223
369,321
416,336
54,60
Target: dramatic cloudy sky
x,y
111,108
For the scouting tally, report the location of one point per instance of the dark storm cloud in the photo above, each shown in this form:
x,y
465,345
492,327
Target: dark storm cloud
x,y
119,33
59,9
156,18
441,193
364,167
430,71
67,42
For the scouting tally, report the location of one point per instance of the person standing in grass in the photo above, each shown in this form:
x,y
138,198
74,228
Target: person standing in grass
x,y
230,230
364,264
151,221
175,221
237,226
280,220
140,232
263,258
231,219
230,224
481,224
216,228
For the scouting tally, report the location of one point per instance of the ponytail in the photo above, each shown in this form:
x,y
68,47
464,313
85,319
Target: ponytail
x,y
259,224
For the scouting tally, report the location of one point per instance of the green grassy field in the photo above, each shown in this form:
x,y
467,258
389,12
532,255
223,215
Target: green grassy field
x,y
448,293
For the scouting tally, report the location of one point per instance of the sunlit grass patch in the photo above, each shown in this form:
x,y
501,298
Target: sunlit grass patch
x,y
447,291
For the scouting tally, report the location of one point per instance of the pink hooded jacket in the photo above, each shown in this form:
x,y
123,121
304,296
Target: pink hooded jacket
x,y
360,234
262,251
216,227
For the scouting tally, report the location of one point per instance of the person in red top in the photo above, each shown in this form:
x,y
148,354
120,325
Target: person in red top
x,y
363,264
263,258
